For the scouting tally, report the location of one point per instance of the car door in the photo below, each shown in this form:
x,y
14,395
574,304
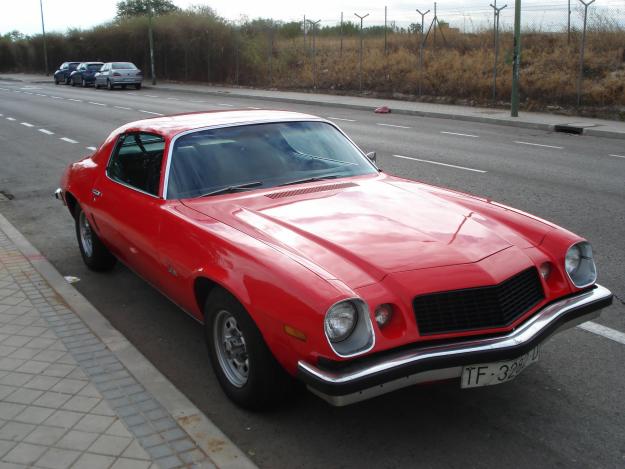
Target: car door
x,y
126,207
102,74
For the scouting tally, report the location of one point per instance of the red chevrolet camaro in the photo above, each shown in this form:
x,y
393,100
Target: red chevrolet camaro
x,y
304,260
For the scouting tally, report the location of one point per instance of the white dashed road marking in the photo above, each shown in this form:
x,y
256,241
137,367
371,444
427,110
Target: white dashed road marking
x,y
47,132
538,145
68,140
74,99
10,118
27,124
124,108
91,148
151,96
150,112
341,119
392,125
226,105
252,107
618,156
96,104
441,164
460,135
56,97
603,331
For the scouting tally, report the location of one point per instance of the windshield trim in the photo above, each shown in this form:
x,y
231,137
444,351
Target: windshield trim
x,y
172,143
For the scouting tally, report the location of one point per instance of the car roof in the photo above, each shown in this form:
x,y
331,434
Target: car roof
x,y
169,126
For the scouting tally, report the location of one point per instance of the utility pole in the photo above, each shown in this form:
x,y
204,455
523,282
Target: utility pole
x,y
580,76
385,30
304,26
361,20
516,61
314,51
45,46
341,50
151,40
497,11
568,25
435,22
421,45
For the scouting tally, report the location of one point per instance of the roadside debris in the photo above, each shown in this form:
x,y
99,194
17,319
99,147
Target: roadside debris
x,y
71,279
382,110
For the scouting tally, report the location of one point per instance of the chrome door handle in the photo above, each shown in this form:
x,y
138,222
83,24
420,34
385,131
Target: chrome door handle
x,y
96,193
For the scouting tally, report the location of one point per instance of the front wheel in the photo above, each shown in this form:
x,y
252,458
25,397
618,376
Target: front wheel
x,y
109,85
138,86
95,254
56,81
83,83
73,82
245,367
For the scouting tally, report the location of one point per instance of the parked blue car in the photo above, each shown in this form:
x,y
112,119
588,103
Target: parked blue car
x,y
64,71
84,75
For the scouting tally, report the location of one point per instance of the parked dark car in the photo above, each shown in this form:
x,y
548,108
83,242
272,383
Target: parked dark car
x,y
84,75
114,74
64,71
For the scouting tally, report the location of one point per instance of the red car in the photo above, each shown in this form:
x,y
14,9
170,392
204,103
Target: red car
x,y
304,260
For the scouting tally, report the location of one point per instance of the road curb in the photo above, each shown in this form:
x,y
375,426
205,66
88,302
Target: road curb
x,y
221,450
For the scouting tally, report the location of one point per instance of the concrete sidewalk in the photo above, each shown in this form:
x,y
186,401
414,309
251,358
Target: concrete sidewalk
x,y
532,120
75,393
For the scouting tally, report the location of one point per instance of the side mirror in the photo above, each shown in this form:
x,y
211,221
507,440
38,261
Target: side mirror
x,y
371,155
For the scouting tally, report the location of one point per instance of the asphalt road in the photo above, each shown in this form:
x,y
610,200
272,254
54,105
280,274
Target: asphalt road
x,y
568,410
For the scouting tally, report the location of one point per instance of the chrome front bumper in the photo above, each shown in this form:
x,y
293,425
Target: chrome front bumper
x,y
58,195
379,374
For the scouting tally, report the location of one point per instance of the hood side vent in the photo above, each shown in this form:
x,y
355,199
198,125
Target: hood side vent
x,y
308,190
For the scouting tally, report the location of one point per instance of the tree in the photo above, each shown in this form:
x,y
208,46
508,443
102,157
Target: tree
x,y
128,8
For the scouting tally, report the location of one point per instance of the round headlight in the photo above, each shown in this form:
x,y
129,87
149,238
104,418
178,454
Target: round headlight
x,y
572,259
340,321
580,265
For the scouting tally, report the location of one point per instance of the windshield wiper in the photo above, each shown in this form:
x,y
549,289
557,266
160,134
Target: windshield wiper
x,y
312,179
235,188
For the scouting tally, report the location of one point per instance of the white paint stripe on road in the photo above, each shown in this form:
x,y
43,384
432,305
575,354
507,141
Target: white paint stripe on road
x,y
441,164
27,124
538,145
28,92
68,140
40,94
91,148
618,156
74,99
460,135
150,112
226,105
10,118
198,101
96,104
174,99
151,96
56,97
124,108
45,131
603,331
341,119
393,125
255,108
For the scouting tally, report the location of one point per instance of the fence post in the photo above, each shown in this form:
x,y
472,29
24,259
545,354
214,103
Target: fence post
x,y
516,62
361,20
271,54
421,45
497,11
385,31
314,50
341,51
580,76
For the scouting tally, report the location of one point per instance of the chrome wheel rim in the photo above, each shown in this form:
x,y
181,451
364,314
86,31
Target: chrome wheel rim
x,y
86,236
231,349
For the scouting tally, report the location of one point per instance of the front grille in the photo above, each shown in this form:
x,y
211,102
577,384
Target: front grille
x,y
479,308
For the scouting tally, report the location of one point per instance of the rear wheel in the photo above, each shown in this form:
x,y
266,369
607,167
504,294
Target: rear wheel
x,y
245,367
73,82
109,85
83,83
56,81
138,86
95,254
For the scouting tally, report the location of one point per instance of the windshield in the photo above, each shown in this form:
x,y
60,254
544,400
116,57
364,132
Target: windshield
x,y
94,66
266,155
123,66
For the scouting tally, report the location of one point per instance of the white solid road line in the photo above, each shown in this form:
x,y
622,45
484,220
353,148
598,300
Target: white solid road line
x,y
151,96
341,119
56,97
460,135
27,124
618,156
603,331
538,145
96,104
226,105
45,131
68,140
10,118
392,125
150,112
74,99
91,148
441,164
124,108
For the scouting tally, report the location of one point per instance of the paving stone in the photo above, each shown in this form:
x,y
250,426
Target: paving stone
x,y
24,453
169,462
6,446
93,461
59,370
103,409
45,435
135,451
8,410
160,451
23,353
33,414
118,429
15,379
23,396
182,445
56,458
94,423
194,456
81,403
70,386
51,399
32,366
124,463
10,364
110,445
42,382
64,418
77,440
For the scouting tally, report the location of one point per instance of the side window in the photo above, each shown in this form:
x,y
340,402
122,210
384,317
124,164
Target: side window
x,y
136,161
64,66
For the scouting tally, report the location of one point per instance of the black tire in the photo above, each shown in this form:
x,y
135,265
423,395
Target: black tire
x,y
266,384
73,82
67,80
138,86
83,83
109,85
96,86
97,257
56,81
123,87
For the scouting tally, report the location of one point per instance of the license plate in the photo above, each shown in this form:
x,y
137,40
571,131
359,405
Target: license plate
x,y
488,374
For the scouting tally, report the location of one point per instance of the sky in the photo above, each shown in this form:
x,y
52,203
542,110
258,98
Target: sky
x,y
24,15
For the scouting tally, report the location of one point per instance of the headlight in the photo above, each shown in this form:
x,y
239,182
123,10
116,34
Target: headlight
x,y
580,265
340,321
347,326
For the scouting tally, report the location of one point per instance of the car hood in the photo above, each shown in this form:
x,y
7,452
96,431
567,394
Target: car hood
x,y
361,229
